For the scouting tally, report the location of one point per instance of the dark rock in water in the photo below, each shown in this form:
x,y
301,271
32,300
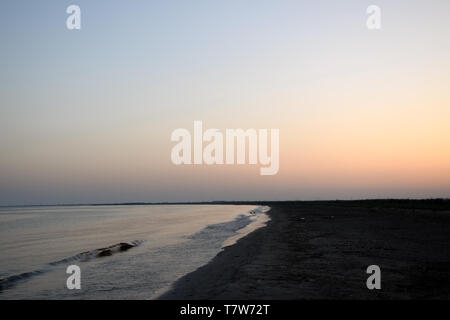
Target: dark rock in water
x,y
108,251
104,253
125,246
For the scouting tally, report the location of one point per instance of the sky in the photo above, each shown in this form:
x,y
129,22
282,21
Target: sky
x,y
86,115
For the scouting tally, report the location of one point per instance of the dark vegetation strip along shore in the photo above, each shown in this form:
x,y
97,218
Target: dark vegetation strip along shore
x,y
432,204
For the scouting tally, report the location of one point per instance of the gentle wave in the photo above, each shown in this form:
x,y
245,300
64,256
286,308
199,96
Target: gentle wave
x,y
83,256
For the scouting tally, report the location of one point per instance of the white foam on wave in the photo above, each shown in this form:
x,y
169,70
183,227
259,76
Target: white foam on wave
x,y
259,219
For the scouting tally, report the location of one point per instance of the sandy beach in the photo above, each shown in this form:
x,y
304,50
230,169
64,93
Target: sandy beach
x,y
320,250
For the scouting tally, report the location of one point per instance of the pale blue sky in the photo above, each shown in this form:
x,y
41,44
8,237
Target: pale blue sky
x,y
86,116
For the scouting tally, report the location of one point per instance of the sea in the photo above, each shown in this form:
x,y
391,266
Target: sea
x,y
120,251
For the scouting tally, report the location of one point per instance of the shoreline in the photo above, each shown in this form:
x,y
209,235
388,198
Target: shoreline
x,y
258,219
320,250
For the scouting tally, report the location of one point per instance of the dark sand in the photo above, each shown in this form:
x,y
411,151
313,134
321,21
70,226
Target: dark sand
x,y
320,250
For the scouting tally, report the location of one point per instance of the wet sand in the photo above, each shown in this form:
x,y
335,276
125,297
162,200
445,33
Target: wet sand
x,y
320,250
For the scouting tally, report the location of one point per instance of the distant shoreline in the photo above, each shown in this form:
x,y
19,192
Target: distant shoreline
x,y
435,203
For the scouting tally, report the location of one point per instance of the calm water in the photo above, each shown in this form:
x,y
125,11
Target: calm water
x,y
37,244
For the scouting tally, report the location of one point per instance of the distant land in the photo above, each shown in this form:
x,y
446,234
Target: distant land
x,y
432,203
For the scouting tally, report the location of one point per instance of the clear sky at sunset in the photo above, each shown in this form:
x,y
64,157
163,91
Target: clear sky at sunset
x,y
86,115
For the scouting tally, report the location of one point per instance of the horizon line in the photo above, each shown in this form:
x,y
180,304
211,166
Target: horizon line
x,y
143,203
